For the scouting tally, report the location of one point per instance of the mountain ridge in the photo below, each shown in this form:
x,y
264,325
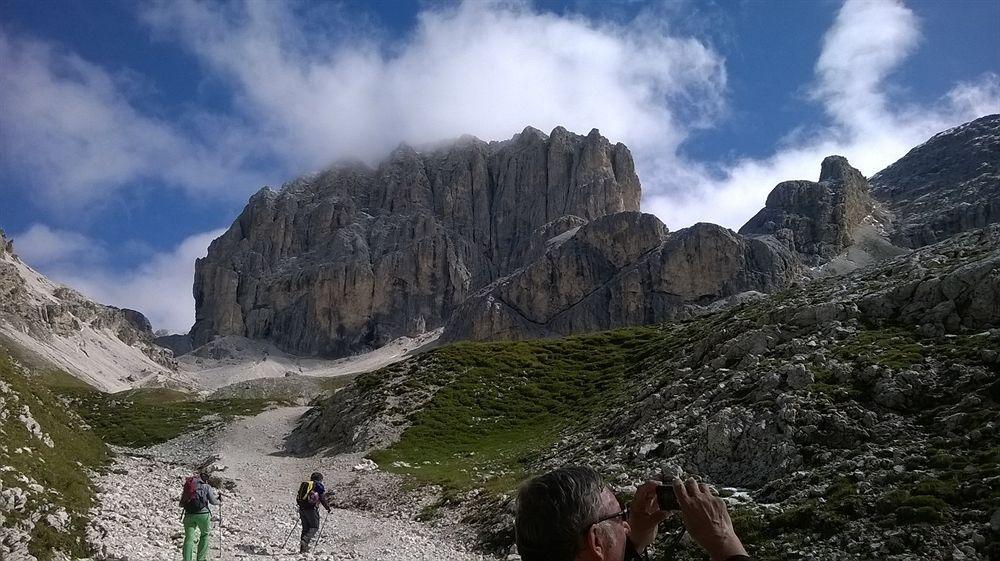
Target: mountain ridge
x,y
405,257
110,348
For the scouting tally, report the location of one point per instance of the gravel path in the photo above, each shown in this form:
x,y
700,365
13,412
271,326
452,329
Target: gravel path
x,y
138,518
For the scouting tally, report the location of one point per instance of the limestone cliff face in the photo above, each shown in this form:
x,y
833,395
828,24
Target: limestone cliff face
x,y
353,257
619,270
949,184
816,219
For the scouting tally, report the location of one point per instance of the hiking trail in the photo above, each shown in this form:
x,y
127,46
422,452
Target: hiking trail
x,y
138,517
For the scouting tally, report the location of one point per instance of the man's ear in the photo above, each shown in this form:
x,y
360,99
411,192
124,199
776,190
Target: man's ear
x,y
596,543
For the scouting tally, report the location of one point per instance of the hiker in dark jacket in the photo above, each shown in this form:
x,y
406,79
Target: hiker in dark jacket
x,y
311,495
198,516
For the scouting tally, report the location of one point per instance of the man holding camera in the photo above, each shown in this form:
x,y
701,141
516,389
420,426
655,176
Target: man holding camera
x,y
571,514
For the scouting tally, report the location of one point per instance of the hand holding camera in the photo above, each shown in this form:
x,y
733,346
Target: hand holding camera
x,y
705,516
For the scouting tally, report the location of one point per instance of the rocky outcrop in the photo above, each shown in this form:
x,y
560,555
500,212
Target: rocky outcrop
x,y
107,347
949,184
354,257
817,220
623,269
178,343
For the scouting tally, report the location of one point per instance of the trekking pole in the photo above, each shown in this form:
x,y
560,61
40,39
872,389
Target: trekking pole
x,y
288,536
322,526
222,533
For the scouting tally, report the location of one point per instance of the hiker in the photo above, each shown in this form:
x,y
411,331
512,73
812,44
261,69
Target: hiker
x,y
571,514
195,499
311,495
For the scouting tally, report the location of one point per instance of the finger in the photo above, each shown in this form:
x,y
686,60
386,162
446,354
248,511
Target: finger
x,y
692,487
704,489
680,491
645,500
659,516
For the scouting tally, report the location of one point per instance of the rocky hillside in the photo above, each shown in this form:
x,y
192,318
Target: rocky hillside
x,y
852,417
541,235
949,184
109,348
46,457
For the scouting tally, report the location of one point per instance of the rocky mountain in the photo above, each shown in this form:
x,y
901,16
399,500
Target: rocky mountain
x,y
541,236
847,418
353,257
107,347
949,184
619,270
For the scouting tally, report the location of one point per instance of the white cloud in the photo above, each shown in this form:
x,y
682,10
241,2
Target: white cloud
x,y
69,129
43,246
160,287
866,43
481,68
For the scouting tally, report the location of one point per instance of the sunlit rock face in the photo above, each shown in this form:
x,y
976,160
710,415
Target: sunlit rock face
x,y
353,257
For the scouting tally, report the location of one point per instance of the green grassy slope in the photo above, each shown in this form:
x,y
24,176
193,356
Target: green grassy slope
x,y
854,430
61,470
81,422
499,404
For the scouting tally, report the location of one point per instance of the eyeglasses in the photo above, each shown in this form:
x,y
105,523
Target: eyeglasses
x,y
623,515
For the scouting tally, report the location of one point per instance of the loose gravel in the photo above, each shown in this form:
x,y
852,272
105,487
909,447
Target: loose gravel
x,y
138,518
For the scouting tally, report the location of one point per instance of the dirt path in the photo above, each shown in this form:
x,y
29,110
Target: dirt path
x,y
140,521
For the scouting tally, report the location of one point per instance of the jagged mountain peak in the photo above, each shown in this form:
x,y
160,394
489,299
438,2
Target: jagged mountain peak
x,y
527,236
405,243
816,219
837,168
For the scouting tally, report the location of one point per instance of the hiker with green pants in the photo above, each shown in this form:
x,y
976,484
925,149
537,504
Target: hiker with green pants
x,y
196,498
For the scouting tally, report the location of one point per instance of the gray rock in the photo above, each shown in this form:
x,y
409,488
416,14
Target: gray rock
x,y
353,257
622,269
797,376
816,219
947,185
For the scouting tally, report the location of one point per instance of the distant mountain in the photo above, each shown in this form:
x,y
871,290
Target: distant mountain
x,y
109,348
354,257
541,236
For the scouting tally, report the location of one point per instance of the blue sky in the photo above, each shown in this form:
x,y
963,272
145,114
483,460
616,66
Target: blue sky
x,y
131,133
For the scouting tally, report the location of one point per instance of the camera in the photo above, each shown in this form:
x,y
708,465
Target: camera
x,y
666,498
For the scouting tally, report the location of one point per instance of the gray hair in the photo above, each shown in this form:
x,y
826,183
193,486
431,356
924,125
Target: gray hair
x,y
553,510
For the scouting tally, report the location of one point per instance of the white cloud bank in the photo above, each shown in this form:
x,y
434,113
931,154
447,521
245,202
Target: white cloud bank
x,y
481,68
160,288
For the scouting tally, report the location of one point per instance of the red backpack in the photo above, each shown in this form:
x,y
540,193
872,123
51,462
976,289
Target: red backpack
x,y
190,499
